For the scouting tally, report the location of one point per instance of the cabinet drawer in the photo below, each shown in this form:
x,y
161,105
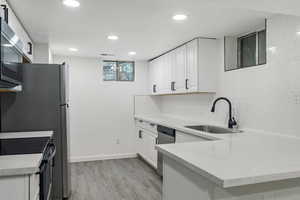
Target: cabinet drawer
x,y
147,126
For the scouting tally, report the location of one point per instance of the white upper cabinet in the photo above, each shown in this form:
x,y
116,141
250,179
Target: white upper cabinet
x,y
19,30
191,81
187,69
178,70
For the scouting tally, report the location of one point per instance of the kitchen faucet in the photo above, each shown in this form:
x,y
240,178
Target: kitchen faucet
x,y
231,121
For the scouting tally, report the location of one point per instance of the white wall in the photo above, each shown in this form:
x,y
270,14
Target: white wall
x,y
101,114
42,53
266,97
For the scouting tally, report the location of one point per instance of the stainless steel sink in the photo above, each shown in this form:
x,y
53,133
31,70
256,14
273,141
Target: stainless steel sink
x,y
214,129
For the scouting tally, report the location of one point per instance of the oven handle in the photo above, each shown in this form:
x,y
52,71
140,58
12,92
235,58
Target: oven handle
x,y
53,147
42,166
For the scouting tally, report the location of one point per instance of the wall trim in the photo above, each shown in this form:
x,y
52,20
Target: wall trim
x,y
101,157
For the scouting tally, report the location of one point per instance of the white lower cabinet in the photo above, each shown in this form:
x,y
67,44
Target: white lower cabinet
x,y
146,142
23,187
182,137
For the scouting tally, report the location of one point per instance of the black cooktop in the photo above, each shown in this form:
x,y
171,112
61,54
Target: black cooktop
x,y
14,146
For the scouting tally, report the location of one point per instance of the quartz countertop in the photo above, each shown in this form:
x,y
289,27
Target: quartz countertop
x,y
21,164
232,160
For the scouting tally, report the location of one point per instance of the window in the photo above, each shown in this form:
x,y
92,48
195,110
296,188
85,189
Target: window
x,y
247,48
252,49
118,70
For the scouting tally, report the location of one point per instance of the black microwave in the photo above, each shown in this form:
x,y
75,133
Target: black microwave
x,y
11,57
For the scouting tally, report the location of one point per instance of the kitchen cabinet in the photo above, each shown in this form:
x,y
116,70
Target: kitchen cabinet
x,y
146,139
189,68
20,32
191,73
182,137
178,69
160,75
24,187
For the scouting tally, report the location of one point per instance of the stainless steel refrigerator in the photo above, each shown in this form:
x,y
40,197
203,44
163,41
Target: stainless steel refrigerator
x,y
43,104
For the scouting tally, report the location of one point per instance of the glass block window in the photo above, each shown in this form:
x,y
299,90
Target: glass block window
x,y
118,70
109,71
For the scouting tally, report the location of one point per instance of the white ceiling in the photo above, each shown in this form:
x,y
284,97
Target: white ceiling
x,y
144,26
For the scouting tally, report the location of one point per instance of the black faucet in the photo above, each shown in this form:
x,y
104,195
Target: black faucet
x,y
231,121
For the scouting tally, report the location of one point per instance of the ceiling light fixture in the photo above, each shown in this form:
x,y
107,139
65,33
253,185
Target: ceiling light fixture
x,y
132,53
298,33
71,3
179,17
112,37
73,49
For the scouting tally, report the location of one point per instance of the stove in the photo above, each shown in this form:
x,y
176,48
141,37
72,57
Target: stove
x,y
14,146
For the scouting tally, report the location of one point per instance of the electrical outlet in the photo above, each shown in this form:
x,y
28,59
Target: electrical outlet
x,y
297,99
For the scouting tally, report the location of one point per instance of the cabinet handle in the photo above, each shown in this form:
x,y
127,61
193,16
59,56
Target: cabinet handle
x,y
140,134
30,48
186,84
173,86
5,12
151,124
154,88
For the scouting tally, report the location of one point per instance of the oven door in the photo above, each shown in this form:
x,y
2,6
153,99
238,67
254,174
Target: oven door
x,y
46,172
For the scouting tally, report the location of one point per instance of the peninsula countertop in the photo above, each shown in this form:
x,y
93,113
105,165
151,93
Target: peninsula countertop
x,y
234,159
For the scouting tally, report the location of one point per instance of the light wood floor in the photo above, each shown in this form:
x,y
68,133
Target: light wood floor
x,y
124,179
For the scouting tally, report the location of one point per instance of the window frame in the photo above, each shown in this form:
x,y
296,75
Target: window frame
x,y
117,70
257,31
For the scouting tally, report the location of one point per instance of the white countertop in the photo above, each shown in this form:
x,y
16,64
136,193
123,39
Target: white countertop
x,y
234,159
21,164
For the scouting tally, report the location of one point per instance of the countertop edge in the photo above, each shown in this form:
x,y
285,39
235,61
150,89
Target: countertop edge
x,y
179,128
191,166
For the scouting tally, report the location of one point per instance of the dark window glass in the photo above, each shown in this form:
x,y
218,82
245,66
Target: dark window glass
x,y
247,46
262,46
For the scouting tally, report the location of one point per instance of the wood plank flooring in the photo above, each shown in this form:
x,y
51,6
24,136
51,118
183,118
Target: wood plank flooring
x,y
124,179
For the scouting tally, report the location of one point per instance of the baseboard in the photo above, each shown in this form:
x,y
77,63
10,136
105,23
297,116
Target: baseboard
x,y
101,157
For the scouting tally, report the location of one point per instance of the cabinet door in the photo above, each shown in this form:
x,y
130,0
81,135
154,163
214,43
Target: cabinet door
x,y
150,142
191,83
184,137
146,142
165,74
139,142
14,188
178,69
152,77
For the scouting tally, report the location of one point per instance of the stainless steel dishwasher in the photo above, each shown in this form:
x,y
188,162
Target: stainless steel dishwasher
x,y
165,136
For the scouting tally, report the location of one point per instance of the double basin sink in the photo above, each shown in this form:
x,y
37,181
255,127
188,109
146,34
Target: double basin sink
x,y
214,129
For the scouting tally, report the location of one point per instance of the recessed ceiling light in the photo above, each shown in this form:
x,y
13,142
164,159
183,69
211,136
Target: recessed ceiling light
x,y
132,53
298,33
112,37
179,17
71,3
73,49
